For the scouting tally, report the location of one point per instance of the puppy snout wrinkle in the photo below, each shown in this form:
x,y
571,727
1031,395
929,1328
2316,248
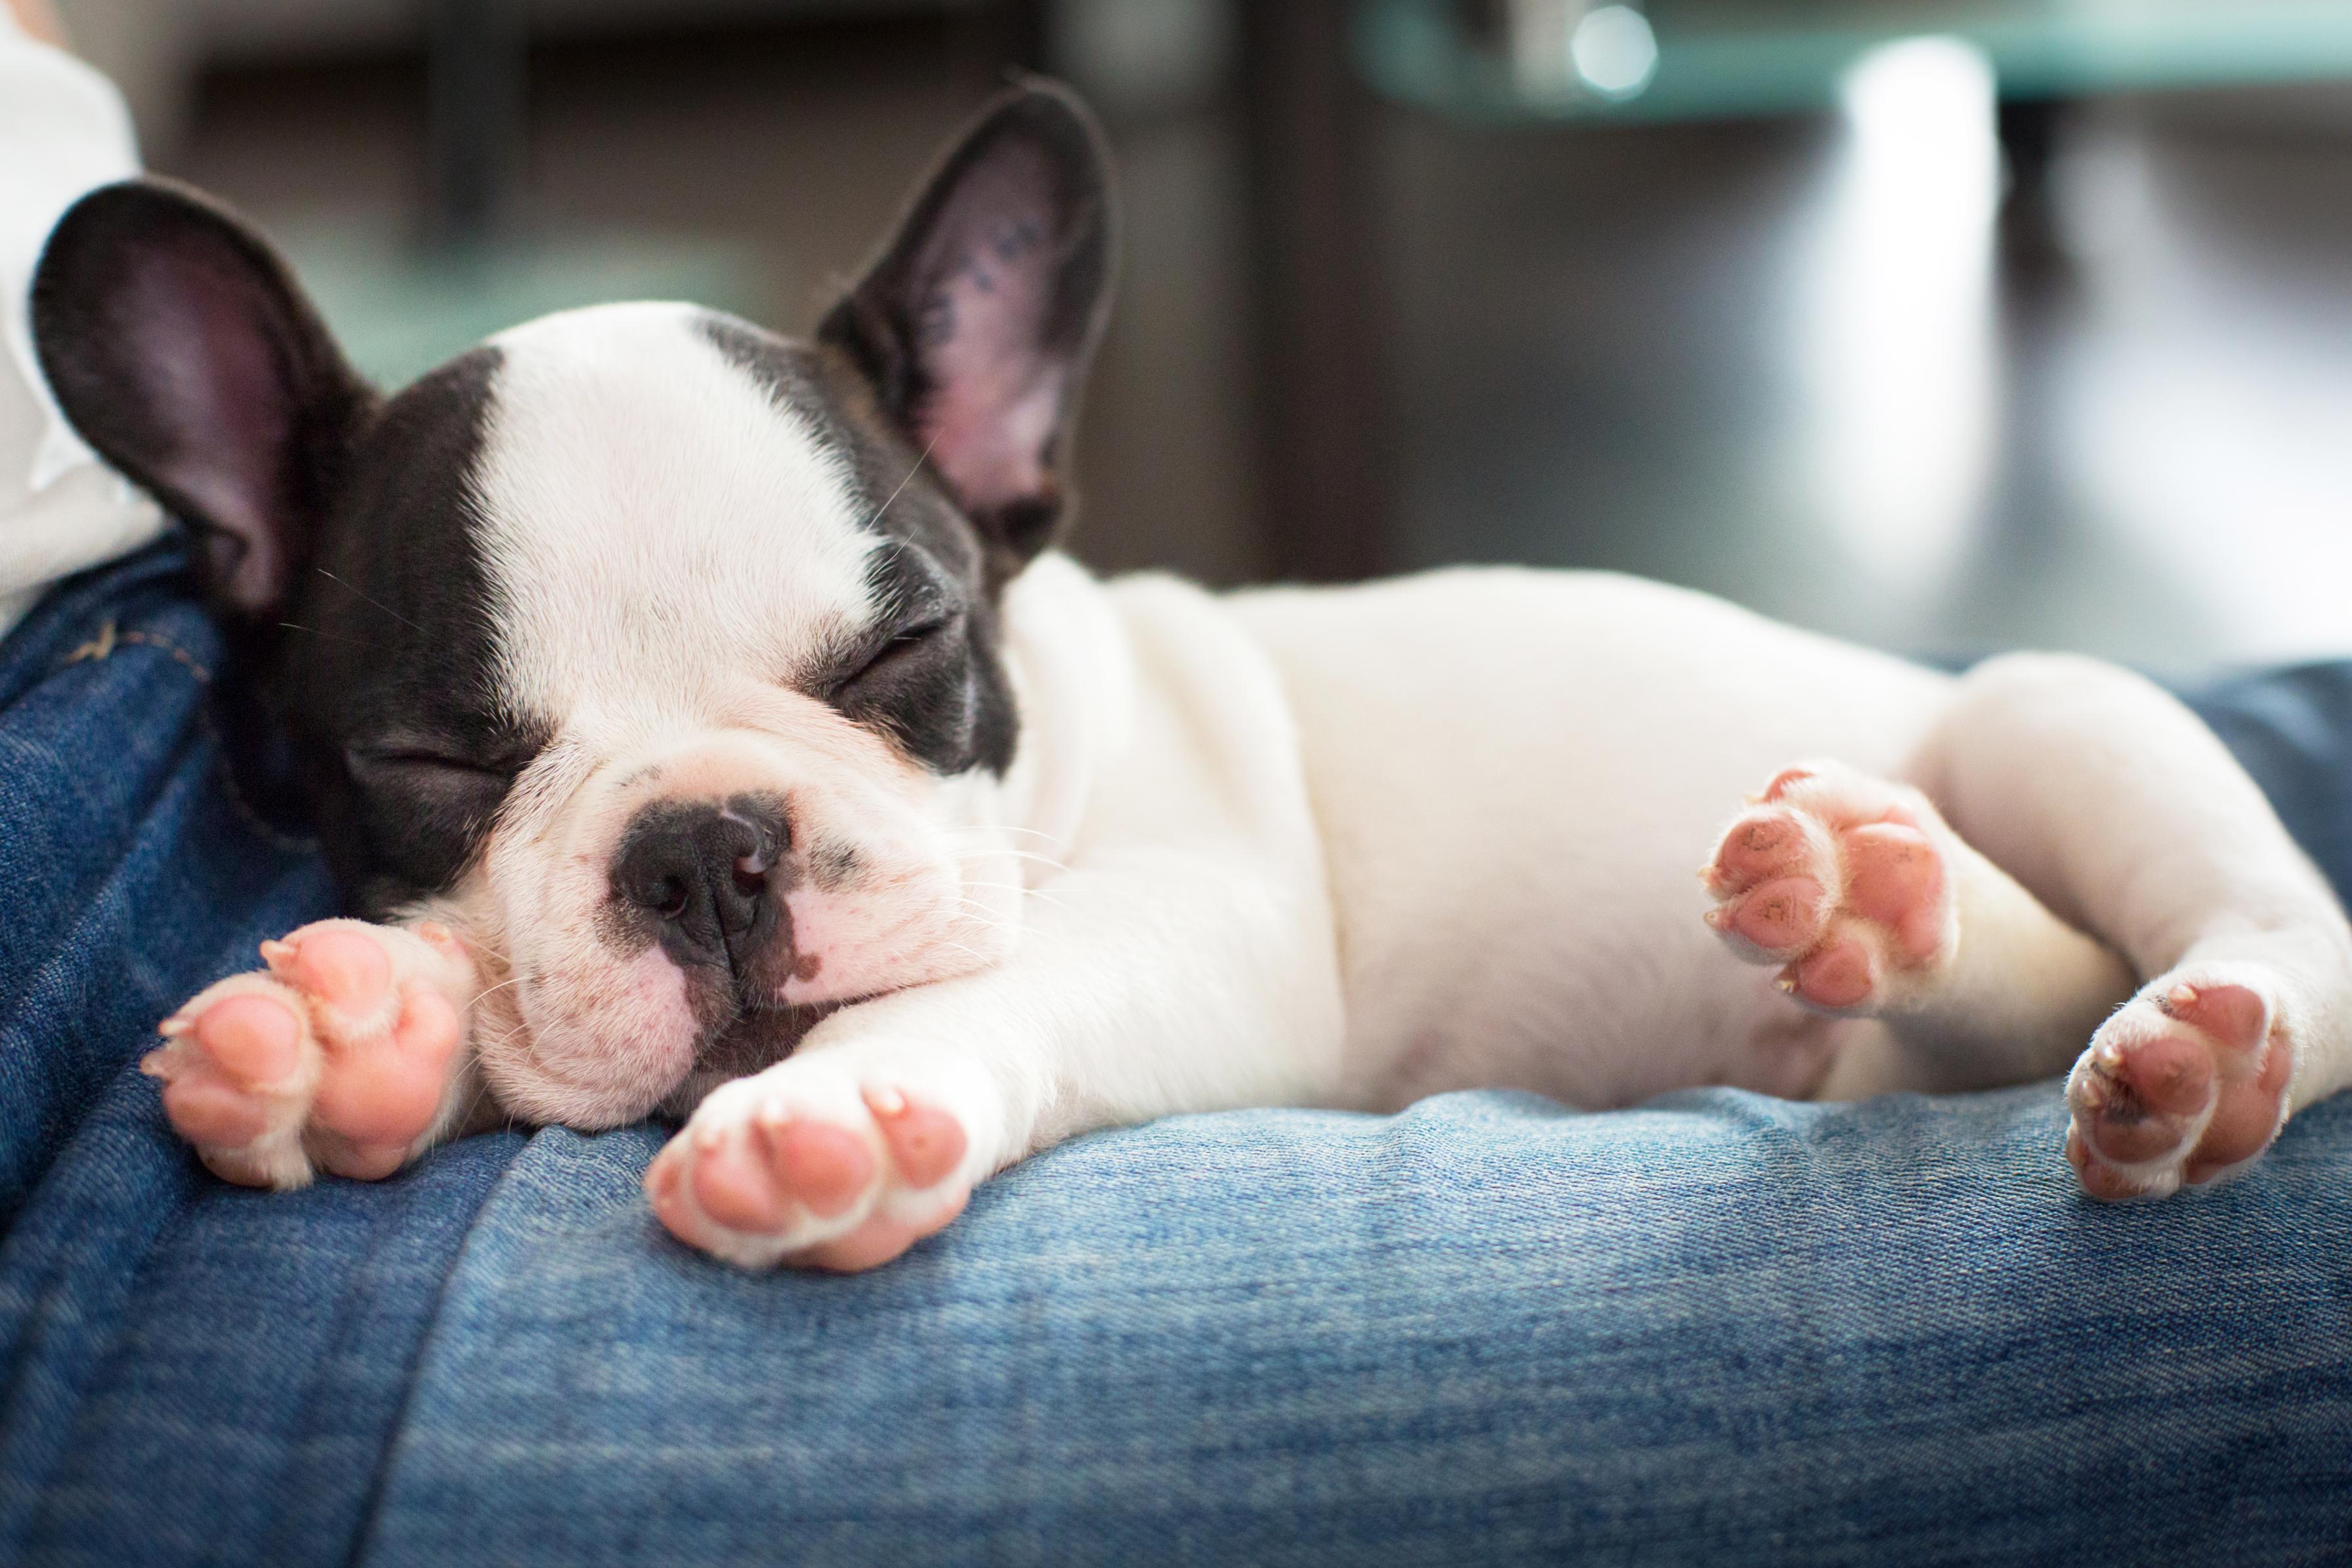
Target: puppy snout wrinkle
x,y
709,876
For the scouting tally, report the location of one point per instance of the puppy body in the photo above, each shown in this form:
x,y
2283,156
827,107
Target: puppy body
x,y
711,729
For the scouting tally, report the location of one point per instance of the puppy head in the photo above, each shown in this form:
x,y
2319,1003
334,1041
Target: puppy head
x,y
661,653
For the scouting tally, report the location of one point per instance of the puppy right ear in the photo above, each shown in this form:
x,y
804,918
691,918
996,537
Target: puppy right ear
x,y
182,349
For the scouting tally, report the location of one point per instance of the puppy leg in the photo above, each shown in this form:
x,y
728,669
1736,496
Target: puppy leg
x,y
2123,814
1870,905
347,1052
1182,981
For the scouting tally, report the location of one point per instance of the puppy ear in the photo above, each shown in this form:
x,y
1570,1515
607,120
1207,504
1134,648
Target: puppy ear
x,y
183,352
977,324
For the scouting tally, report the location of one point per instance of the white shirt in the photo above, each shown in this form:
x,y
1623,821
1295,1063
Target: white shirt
x,y
63,129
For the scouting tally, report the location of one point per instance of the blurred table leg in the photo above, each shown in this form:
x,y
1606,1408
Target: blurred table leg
x,y
1324,464
2033,253
476,68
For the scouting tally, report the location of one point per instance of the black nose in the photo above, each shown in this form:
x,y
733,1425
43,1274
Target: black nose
x,y
702,871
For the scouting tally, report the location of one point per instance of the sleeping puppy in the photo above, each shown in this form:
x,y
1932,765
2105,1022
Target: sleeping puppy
x,y
708,729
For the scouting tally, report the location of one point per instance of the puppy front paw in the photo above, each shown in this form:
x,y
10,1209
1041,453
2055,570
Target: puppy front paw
x,y
812,1165
2186,1082
1842,882
339,1055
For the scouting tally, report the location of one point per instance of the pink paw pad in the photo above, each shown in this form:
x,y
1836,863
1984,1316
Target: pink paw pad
x,y
344,969
1780,916
255,1040
1838,975
2180,1086
328,1055
1834,878
780,1174
875,1242
1755,848
231,1060
1894,876
764,1176
825,1169
207,1111
387,1091
925,1142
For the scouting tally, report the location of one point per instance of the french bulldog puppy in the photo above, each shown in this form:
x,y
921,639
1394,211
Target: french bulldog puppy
x,y
707,726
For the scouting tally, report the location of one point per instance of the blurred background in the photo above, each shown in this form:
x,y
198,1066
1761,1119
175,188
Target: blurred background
x,y
1945,324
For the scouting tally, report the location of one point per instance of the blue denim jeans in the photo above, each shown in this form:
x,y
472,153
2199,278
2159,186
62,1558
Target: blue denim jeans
x,y
1721,1329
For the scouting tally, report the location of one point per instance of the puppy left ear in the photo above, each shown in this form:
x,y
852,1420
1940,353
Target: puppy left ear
x,y
978,322
182,349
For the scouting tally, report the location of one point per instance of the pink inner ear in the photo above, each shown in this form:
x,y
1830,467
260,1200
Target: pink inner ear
x,y
217,380
996,393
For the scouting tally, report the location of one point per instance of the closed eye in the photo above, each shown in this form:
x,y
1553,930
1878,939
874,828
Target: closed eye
x,y
902,646
427,769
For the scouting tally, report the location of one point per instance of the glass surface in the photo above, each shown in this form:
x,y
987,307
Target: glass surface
x,y
1673,60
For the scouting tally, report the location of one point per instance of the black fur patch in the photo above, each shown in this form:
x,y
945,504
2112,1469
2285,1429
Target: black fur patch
x,y
386,674
932,677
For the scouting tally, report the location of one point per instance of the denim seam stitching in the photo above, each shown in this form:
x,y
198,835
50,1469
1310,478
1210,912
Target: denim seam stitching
x,y
108,639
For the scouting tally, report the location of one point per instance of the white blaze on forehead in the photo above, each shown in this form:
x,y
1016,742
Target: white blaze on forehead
x,y
654,525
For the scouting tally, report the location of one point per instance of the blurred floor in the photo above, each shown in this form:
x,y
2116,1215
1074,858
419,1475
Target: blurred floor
x,y
1698,353
1670,351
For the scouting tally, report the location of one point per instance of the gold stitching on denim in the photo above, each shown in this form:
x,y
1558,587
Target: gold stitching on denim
x,y
149,639
109,638
98,646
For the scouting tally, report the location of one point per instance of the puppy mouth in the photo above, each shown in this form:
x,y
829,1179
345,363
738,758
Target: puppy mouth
x,y
762,1037
756,1038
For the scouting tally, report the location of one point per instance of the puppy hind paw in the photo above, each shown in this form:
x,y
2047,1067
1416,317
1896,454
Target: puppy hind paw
x,y
2184,1084
1839,880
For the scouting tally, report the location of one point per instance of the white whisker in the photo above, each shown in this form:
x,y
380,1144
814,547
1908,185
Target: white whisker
x,y
909,480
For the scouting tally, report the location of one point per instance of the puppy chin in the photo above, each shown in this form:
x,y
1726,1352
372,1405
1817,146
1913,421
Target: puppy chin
x,y
613,1057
